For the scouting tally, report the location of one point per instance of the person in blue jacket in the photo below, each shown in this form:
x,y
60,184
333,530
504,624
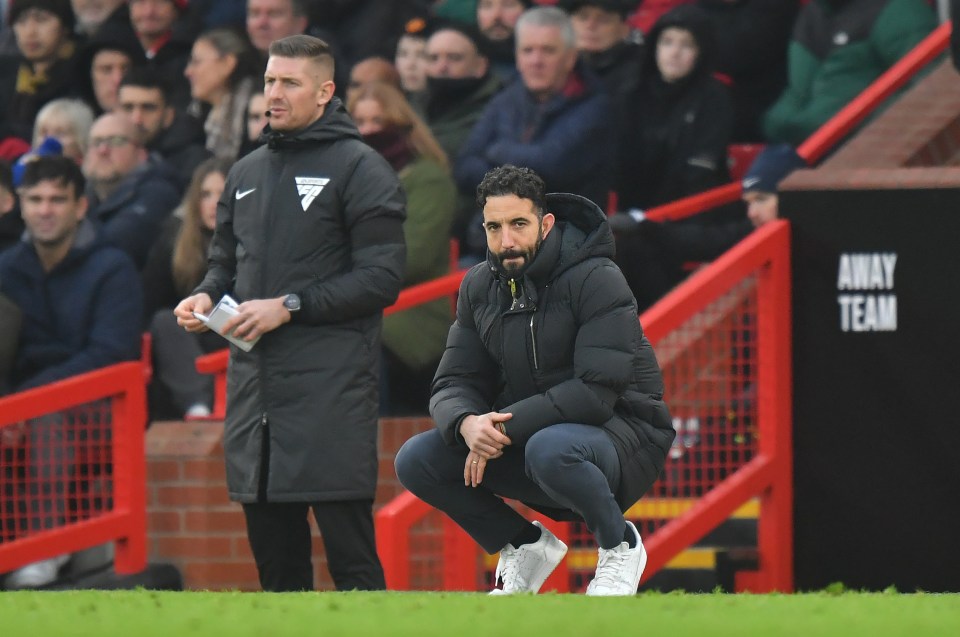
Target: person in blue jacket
x,y
555,121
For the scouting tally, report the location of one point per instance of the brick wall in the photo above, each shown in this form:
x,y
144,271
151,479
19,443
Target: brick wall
x,y
915,143
192,524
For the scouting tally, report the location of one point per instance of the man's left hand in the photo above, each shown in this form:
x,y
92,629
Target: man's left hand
x,y
257,317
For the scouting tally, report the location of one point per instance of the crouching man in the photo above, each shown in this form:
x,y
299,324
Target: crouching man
x,y
548,392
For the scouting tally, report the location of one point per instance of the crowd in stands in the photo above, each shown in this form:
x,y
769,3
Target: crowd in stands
x,y
121,120
630,103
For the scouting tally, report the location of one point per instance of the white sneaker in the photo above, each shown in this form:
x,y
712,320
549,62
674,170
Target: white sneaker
x,y
525,569
37,574
619,569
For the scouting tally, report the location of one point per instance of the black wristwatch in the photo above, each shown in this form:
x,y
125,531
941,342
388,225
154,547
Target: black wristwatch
x,y
292,303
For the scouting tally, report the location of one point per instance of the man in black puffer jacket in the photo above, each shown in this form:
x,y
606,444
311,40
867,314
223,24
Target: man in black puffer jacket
x,y
310,236
548,392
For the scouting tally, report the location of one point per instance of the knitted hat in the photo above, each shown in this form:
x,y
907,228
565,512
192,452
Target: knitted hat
x,y
468,31
770,167
59,8
623,7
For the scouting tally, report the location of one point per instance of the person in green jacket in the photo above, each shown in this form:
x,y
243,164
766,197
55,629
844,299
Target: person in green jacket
x,y
839,48
413,339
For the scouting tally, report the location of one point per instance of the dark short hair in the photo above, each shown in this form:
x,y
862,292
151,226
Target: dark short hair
x,y
54,168
147,77
304,46
513,180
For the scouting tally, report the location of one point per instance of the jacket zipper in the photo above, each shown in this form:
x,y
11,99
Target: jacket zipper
x,y
533,339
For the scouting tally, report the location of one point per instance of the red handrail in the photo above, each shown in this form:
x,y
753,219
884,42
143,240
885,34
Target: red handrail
x,y
125,523
833,131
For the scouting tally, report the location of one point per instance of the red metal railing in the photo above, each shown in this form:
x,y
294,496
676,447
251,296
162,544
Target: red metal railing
x,y
72,468
723,340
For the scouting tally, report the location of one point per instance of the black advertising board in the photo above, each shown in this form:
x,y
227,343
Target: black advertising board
x,y
876,352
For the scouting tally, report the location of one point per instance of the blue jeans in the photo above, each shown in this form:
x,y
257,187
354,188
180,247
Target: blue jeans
x,y
564,466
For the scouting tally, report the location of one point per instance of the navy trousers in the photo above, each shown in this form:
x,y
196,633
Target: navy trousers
x,y
565,466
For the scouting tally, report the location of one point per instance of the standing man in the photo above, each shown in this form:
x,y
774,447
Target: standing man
x,y
548,392
310,237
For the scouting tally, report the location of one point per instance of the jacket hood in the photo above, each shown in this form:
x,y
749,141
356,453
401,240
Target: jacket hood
x,y
585,231
334,124
690,18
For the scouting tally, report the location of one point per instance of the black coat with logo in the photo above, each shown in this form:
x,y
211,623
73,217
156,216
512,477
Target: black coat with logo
x,y
320,214
566,348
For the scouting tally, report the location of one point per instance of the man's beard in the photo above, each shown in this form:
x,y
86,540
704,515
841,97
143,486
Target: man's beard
x,y
515,270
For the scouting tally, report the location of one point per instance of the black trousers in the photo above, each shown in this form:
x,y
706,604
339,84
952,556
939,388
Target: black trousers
x,y
279,535
565,466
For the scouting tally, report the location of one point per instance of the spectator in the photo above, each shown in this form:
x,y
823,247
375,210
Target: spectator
x,y
108,55
414,339
77,297
675,142
164,43
370,70
269,20
554,398
221,73
839,48
411,60
177,138
497,20
603,39
131,194
257,119
556,120
752,38
45,68
459,84
310,237
176,265
68,121
762,180
675,145
652,255
93,15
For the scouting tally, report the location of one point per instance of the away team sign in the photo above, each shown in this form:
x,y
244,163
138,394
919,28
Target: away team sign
x,y
866,296
876,365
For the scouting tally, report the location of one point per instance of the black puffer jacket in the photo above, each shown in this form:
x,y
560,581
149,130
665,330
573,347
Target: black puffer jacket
x,y
318,213
569,348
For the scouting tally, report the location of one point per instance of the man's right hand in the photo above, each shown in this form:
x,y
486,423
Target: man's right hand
x,y
482,435
184,312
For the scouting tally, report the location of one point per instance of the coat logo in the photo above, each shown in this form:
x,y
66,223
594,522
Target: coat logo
x,y
308,188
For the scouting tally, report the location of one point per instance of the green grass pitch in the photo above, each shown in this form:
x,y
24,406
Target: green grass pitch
x,y
148,613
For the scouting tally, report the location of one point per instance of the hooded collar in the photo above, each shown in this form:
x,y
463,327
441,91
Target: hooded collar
x,y
334,124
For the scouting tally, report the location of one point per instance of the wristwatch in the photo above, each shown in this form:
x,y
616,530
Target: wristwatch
x,y
292,303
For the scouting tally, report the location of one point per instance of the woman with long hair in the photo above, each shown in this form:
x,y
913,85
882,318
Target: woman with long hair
x,y
414,339
176,265
221,72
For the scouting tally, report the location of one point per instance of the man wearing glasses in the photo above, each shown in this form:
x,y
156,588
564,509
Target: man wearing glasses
x,y
130,191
